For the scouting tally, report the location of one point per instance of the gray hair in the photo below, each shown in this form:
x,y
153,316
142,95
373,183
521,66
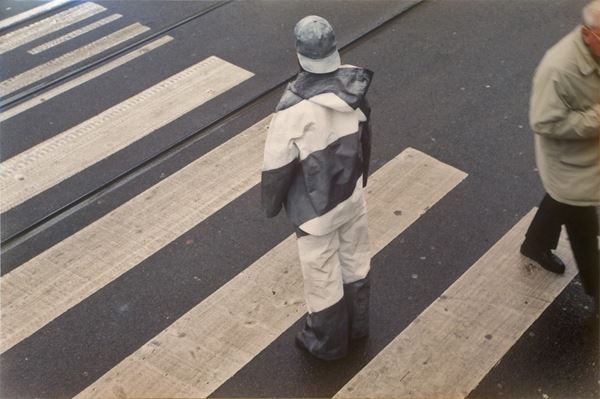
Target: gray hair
x,y
591,14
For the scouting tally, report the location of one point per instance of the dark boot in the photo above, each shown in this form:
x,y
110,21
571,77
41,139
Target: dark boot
x,y
325,334
357,295
545,258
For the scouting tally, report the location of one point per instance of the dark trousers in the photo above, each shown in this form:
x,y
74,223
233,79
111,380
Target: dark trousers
x,y
582,227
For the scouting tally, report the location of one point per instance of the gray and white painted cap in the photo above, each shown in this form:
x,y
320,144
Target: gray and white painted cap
x,y
316,45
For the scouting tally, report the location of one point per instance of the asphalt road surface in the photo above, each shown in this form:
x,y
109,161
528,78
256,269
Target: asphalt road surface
x,y
136,261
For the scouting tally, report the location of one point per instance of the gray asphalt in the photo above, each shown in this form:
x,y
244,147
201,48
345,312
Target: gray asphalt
x,y
452,79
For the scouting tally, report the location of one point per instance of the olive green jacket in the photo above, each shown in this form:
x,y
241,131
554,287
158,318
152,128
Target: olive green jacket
x,y
565,115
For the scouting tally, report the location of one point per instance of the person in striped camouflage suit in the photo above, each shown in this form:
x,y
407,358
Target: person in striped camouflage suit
x,y
315,165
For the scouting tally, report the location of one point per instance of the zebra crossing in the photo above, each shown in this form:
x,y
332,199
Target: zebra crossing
x,y
206,346
16,40
47,95
27,34
479,317
129,234
115,128
73,34
31,76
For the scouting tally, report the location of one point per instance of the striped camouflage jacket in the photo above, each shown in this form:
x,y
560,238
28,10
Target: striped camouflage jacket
x,y
317,150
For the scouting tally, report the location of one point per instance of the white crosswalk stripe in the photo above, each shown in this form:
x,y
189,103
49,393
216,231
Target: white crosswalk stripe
x,y
456,341
74,57
86,77
11,21
50,162
76,33
54,23
210,343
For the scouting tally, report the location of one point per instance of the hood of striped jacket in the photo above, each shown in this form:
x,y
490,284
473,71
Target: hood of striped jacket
x,y
314,152
343,90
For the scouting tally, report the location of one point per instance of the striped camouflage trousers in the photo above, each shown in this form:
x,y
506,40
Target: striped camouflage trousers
x,y
335,268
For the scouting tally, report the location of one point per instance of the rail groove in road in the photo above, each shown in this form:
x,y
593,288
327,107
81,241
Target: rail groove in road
x,y
71,58
40,99
44,85
60,157
140,227
29,33
74,34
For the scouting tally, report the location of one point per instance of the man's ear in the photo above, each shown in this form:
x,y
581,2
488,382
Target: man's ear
x,y
586,34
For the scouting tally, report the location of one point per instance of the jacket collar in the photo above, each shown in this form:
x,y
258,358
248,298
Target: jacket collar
x,y
584,59
348,83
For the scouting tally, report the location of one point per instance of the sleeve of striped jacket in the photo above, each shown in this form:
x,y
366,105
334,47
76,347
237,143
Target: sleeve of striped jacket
x,y
280,163
365,139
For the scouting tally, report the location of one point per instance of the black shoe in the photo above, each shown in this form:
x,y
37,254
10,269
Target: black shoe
x,y
300,343
545,259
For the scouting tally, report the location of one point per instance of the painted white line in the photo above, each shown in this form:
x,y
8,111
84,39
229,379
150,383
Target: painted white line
x,y
71,58
24,106
210,343
455,342
56,159
43,288
74,34
15,19
29,33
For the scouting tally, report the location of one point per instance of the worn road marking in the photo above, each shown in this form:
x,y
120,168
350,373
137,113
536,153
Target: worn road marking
x,y
47,164
15,19
48,25
211,342
71,58
43,288
454,343
70,84
74,34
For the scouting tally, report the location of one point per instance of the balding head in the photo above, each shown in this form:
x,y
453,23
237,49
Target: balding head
x,y
591,14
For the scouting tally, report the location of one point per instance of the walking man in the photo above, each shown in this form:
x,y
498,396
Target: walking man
x,y
315,165
565,116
